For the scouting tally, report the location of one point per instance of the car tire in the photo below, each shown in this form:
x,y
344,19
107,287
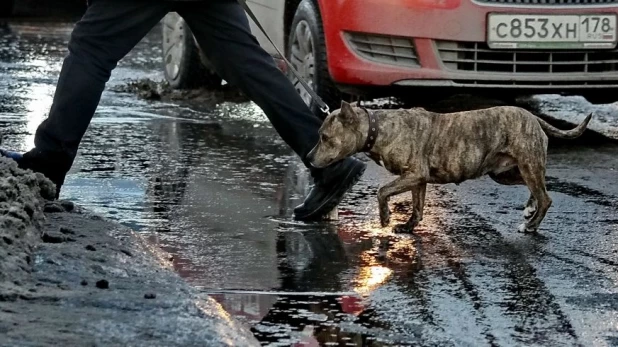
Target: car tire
x,y
6,8
307,53
185,67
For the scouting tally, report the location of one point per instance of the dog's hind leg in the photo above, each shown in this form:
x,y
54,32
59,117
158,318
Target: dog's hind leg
x,y
508,178
398,186
534,176
513,177
530,207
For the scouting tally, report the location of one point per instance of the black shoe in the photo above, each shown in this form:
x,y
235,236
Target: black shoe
x,y
330,188
53,165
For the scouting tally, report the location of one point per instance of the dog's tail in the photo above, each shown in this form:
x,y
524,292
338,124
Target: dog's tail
x,y
565,134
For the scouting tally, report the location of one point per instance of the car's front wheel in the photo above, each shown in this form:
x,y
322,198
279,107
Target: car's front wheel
x,y
307,53
185,66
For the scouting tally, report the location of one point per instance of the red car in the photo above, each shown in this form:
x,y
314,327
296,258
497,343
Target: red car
x,y
424,48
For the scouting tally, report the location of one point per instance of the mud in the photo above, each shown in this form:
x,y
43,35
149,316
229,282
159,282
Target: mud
x,y
69,277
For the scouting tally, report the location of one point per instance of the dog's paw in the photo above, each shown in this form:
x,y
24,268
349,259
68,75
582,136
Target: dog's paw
x,y
529,211
524,228
403,228
409,226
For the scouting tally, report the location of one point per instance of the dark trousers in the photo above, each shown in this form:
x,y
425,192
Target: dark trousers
x,y
111,28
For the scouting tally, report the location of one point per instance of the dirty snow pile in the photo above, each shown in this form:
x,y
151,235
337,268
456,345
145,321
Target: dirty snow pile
x,y
71,278
22,195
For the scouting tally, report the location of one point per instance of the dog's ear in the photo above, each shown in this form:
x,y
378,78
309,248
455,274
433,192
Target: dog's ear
x,y
345,104
347,114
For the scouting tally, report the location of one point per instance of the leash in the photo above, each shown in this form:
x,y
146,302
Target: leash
x,y
316,98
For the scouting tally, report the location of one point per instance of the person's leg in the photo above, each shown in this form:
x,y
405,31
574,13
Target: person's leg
x,y
107,32
223,32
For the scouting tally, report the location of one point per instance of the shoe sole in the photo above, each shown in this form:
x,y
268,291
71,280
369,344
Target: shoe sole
x,y
329,204
10,155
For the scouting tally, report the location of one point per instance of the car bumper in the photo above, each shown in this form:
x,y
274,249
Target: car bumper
x,y
442,43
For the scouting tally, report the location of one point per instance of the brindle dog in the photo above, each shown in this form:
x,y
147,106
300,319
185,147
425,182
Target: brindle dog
x,y
507,143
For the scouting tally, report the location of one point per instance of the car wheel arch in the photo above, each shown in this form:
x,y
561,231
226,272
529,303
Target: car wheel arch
x,y
308,13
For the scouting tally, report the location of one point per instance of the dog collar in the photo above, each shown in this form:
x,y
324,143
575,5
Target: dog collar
x,y
372,133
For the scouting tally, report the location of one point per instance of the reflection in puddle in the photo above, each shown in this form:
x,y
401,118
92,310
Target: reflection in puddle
x,y
371,277
37,107
302,320
328,273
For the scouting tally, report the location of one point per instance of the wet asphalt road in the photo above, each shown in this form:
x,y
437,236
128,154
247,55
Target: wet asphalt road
x,y
215,186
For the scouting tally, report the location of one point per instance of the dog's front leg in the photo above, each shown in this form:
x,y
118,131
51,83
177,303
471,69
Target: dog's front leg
x,y
398,186
418,205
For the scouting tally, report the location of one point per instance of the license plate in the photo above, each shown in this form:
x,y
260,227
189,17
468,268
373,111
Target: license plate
x,y
551,31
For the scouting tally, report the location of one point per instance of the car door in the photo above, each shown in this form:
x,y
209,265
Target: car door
x,y
270,14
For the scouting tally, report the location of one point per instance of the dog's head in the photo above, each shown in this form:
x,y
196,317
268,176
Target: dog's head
x,y
340,136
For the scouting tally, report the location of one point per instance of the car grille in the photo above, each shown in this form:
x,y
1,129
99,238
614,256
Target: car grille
x,y
477,57
549,2
536,84
384,49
